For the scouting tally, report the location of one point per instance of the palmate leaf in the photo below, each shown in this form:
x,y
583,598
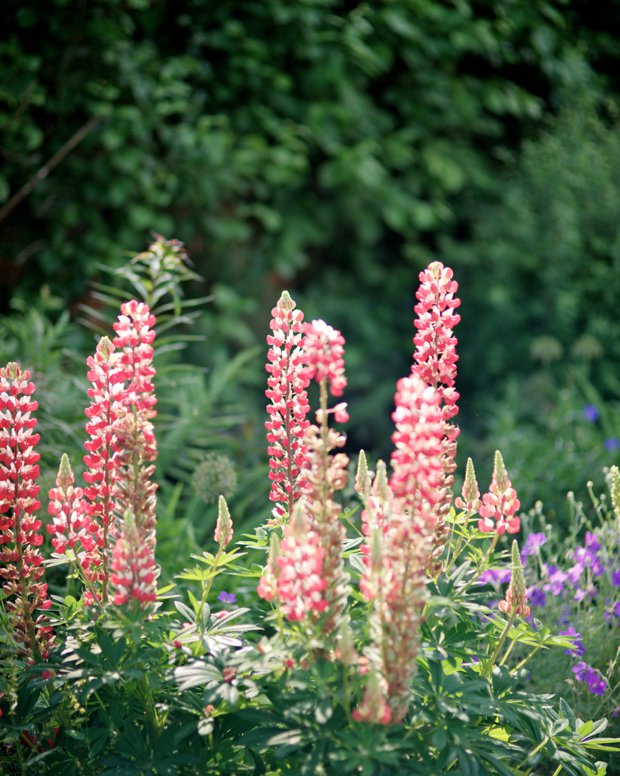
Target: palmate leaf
x,y
196,674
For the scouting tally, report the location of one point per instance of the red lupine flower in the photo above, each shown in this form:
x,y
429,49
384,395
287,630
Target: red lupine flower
x,y
21,562
469,500
71,527
134,571
499,505
324,351
134,436
223,527
374,706
288,408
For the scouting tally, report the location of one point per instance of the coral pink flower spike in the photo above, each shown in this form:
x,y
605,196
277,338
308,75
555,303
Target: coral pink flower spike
x,y
21,562
288,407
435,355
499,506
134,571
300,583
324,350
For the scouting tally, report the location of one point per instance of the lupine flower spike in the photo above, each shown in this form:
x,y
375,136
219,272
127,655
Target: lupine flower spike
x,y
516,599
135,453
434,363
401,532
101,464
134,571
499,506
21,562
363,479
73,532
323,348
469,500
287,409
300,582
223,528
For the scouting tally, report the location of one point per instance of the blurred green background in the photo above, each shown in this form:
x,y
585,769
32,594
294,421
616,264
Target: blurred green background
x,y
334,149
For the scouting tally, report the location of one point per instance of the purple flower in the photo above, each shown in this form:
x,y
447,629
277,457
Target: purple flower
x,y
536,596
577,650
592,542
612,443
494,577
591,413
226,598
557,578
533,542
574,572
615,578
593,678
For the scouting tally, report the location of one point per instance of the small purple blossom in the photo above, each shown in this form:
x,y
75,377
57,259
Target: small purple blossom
x,y
593,678
494,577
615,578
577,650
557,578
592,542
575,572
532,544
227,598
536,596
612,444
591,413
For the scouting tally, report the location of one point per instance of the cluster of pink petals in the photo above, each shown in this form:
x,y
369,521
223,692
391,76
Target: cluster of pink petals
x,y
374,706
417,471
21,562
324,352
300,581
71,527
134,571
520,604
435,355
102,414
288,407
121,445
499,506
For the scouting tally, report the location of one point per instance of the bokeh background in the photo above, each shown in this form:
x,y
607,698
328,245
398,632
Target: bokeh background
x,y
332,148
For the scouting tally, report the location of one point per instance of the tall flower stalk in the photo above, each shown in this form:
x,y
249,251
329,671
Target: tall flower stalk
x,y
323,348
400,521
287,409
434,362
21,562
121,445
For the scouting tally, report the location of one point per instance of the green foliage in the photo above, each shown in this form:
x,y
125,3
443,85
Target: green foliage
x,y
269,136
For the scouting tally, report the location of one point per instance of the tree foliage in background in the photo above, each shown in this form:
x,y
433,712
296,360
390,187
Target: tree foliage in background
x,y
270,136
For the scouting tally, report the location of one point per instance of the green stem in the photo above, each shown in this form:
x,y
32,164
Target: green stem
x,y
206,588
489,668
520,665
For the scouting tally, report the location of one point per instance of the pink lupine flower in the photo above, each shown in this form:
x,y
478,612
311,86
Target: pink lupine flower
x,y
327,474
288,407
101,470
21,562
416,460
435,355
324,350
516,595
374,706
72,528
469,500
134,441
134,571
435,364
499,506
223,527
300,583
